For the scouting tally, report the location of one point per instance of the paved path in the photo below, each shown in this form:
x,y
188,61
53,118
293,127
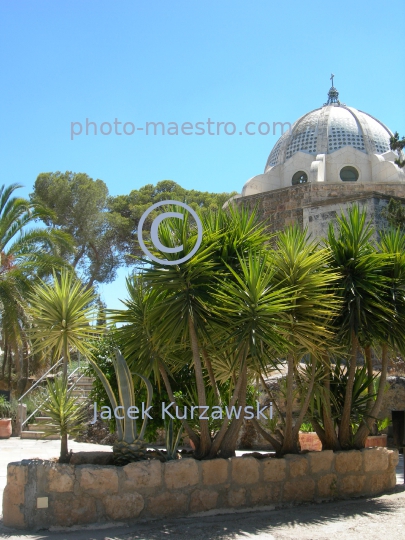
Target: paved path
x,y
371,518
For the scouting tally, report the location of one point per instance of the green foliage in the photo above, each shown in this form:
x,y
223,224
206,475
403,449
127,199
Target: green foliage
x,y
306,427
26,253
383,424
338,388
62,312
67,415
398,144
172,440
395,213
5,407
130,445
128,209
79,206
105,228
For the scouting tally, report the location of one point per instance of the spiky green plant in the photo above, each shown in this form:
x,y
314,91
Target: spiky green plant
x,y
68,416
172,440
62,312
130,445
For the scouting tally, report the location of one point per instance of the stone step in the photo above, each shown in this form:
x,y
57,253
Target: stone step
x,y
35,427
38,435
43,419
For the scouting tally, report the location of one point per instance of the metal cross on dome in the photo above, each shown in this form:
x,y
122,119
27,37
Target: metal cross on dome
x,y
333,94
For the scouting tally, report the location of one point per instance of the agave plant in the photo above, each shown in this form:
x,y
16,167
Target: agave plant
x,y
130,445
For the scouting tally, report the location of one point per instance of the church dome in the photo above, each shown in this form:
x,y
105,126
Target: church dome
x,y
330,128
334,144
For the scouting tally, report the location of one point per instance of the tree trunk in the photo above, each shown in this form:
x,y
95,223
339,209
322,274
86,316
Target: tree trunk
x,y
289,446
216,443
330,441
211,375
273,401
365,427
205,438
193,436
272,440
65,357
344,428
3,368
228,445
64,454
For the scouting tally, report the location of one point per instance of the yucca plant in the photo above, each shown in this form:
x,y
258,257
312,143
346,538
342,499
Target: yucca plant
x,y
68,416
62,314
130,445
172,440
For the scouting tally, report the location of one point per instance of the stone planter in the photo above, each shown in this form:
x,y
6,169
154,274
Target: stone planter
x,y
41,494
5,428
310,441
373,441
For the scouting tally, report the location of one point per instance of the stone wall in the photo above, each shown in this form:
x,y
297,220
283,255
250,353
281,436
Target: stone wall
x,y
41,494
315,205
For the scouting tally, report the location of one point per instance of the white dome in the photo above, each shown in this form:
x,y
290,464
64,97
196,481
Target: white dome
x,y
332,144
329,128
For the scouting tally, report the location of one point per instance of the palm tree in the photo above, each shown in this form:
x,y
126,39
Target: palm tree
x,y
179,314
62,314
392,251
24,256
362,289
302,267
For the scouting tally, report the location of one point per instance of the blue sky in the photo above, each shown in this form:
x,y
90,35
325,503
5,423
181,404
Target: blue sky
x,y
230,61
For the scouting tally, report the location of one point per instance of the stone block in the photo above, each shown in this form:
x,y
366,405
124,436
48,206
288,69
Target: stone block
x,y
320,461
297,465
126,506
71,510
263,495
13,515
237,497
273,470
143,474
299,489
61,478
181,473
99,480
214,471
351,484
327,486
375,459
245,470
97,457
167,504
16,480
202,500
393,458
348,461
376,483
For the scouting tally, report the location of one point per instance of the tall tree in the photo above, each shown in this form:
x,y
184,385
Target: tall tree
x,y
26,253
104,227
79,206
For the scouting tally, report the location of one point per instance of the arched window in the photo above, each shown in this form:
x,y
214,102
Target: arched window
x,y
349,174
299,177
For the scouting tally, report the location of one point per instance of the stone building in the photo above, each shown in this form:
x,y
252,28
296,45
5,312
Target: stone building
x,y
331,157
